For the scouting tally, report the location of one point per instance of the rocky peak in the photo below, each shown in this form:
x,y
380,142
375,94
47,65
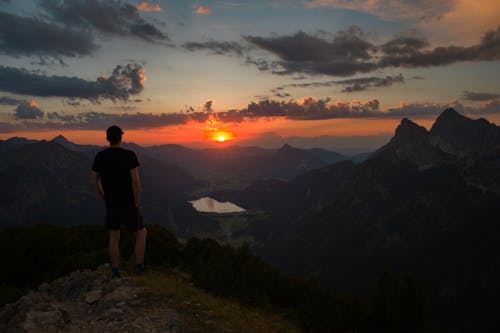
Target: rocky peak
x,y
61,139
286,148
460,135
16,140
410,144
410,133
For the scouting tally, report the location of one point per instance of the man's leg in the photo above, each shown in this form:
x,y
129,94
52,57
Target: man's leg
x,y
140,245
114,247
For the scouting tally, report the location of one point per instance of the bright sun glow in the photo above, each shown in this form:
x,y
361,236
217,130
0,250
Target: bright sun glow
x,y
219,135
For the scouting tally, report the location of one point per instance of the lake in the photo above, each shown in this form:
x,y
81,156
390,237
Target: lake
x,y
210,205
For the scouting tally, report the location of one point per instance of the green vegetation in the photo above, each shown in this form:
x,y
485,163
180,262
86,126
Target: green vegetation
x,y
257,292
203,312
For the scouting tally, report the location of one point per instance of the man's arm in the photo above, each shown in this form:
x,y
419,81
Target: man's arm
x,y
96,182
136,185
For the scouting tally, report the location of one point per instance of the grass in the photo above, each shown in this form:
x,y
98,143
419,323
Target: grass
x,y
201,311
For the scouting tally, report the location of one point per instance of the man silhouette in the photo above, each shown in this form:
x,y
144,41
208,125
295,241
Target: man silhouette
x,y
115,177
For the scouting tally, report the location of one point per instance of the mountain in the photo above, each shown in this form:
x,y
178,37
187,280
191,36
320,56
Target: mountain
x,y
19,141
326,156
461,136
45,182
61,140
410,207
411,144
49,182
237,167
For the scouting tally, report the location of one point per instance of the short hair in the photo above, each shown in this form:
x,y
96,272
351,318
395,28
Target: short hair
x,y
114,134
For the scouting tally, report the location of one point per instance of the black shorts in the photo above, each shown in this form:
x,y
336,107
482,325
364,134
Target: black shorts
x,y
128,215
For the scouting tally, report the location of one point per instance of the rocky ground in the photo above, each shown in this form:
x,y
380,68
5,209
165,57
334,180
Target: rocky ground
x,y
88,301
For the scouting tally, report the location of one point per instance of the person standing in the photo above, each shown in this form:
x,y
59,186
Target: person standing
x,y
115,177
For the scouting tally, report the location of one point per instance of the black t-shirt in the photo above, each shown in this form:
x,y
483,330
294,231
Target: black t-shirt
x,y
114,165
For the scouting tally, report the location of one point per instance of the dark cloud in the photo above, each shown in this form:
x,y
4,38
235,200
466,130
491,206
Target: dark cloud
x,y
347,53
99,120
361,84
27,36
6,100
404,45
60,116
307,109
282,94
124,82
350,52
350,85
207,107
479,96
110,17
216,47
488,49
261,64
302,47
28,110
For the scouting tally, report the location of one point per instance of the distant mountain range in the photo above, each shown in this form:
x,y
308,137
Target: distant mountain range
x,y
48,181
428,202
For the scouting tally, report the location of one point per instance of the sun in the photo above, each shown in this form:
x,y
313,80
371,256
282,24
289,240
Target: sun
x,y
219,135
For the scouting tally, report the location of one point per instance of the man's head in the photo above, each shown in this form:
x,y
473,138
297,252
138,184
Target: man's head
x,y
114,135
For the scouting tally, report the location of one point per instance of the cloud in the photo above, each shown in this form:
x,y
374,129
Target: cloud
x,y
418,109
350,52
361,84
28,110
110,17
201,10
479,96
308,108
263,64
27,36
488,49
6,100
282,94
392,9
99,120
124,82
207,107
215,47
145,6
350,85
60,116
434,109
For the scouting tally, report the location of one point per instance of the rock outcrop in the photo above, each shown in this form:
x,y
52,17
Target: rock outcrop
x,y
88,301
458,135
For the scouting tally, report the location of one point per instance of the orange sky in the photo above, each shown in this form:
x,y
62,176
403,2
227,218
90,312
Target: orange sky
x,y
196,132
